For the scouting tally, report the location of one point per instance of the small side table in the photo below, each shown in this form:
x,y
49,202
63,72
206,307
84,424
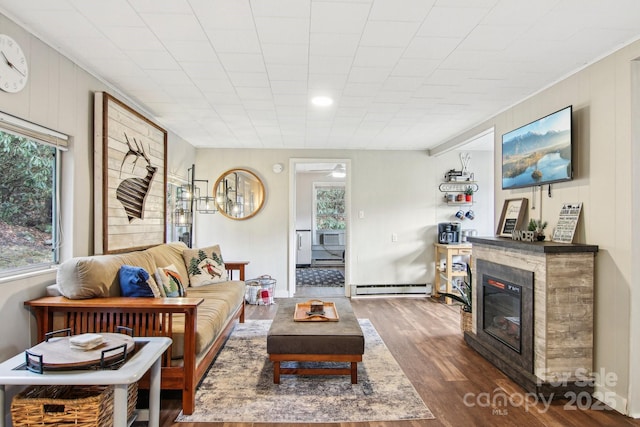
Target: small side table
x,y
447,252
146,357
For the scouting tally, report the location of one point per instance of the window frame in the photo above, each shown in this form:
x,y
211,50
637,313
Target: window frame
x,y
58,141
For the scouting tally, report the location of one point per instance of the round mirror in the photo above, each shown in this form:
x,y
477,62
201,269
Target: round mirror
x,y
239,194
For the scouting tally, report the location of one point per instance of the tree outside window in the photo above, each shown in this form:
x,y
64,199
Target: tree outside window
x,y
330,208
27,203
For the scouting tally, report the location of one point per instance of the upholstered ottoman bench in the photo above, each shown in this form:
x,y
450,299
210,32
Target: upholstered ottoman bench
x,y
319,341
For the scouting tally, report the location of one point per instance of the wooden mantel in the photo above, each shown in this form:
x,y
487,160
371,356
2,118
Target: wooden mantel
x,y
563,307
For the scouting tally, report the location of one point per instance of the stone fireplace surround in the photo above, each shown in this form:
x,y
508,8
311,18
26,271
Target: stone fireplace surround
x,y
563,279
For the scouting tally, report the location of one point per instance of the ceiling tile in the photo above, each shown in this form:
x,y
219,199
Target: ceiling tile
x,y
330,64
223,14
242,79
287,72
453,22
377,56
369,74
234,41
204,70
133,38
388,33
338,18
326,44
283,30
282,8
431,47
243,62
327,81
153,60
294,54
174,26
408,67
400,10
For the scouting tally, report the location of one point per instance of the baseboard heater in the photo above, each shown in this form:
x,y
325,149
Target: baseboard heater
x,y
397,289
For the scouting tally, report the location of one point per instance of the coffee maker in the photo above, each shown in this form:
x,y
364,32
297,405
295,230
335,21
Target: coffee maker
x,y
449,232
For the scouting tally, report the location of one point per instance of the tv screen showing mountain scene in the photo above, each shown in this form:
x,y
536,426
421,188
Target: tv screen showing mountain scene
x,y
538,153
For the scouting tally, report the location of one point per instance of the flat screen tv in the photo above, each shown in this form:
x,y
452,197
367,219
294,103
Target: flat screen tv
x,y
538,153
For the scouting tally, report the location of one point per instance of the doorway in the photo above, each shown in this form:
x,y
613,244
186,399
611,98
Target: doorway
x,y
319,232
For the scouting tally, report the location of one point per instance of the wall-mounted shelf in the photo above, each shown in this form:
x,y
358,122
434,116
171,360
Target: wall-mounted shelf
x,y
457,187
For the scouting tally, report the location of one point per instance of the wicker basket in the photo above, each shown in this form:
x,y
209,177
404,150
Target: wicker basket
x,y
466,321
260,290
64,405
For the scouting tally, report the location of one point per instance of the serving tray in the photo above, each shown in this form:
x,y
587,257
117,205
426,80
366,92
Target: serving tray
x,y
56,353
302,312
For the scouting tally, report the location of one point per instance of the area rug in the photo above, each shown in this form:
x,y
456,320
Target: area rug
x,y
319,277
239,387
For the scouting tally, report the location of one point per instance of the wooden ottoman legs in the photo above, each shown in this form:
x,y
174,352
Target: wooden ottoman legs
x,y
352,370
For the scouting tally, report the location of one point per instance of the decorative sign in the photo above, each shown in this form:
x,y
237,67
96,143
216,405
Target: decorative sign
x,y
130,185
523,235
569,215
512,216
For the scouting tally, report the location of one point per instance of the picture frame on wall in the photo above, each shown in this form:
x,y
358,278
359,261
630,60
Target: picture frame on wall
x,y
130,178
512,216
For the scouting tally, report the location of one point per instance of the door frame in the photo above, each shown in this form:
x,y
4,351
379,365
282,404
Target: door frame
x,y
291,238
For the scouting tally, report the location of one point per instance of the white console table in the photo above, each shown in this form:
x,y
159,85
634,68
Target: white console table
x,y
146,357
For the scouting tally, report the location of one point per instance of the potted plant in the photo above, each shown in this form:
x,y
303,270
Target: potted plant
x,y
464,296
537,226
468,192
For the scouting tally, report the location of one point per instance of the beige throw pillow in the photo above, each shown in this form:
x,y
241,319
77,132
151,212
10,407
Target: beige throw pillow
x,y
205,266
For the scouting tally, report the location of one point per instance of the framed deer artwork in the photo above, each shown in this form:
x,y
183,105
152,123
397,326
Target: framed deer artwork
x,y
130,178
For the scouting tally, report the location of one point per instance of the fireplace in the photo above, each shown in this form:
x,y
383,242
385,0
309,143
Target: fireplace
x,y
505,312
533,312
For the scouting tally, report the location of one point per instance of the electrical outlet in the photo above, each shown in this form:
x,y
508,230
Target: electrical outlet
x,y
394,237
361,214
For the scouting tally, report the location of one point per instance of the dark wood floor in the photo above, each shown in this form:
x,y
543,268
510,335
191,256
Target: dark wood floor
x,y
424,337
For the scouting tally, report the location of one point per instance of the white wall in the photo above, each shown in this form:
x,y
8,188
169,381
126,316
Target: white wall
x,y
396,190
604,172
481,165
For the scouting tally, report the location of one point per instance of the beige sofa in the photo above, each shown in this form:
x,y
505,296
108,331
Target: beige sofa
x,y
198,323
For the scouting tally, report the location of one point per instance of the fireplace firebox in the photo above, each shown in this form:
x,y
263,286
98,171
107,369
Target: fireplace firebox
x,y
505,312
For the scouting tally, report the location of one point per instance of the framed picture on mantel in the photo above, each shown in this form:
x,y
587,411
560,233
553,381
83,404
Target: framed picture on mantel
x,y
512,217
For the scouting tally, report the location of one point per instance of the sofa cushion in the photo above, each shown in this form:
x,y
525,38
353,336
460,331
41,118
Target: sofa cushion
x,y
205,265
167,254
97,276
220,302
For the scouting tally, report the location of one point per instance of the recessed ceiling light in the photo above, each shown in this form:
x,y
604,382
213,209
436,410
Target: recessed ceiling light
x,y
322,101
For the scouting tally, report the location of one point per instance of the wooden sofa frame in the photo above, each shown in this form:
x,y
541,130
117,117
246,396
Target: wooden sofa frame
x,y
147,317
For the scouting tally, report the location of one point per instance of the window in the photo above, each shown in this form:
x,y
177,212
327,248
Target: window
x,y
330,207
28,202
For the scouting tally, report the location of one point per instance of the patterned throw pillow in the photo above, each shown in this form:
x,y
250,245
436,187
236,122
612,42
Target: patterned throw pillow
x,y
170,280
205,266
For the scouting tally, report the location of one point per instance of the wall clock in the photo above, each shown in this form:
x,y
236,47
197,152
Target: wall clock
x,y
14,70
